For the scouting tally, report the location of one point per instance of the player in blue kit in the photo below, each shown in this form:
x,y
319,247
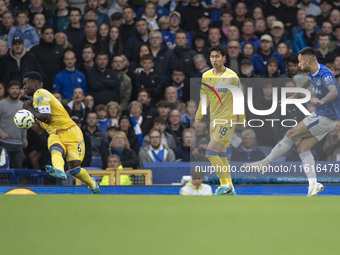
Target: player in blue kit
x,y
314,127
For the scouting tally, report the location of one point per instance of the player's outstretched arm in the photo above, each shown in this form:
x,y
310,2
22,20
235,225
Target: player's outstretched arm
x,y
332,93
44,117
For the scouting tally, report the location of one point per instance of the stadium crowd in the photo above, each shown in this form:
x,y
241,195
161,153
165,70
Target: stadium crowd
x,y
122,70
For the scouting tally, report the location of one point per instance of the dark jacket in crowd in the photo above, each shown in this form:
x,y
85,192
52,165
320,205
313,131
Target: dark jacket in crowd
x,y
98,46
97,139
240,154
128,156
132,45
127,31
103,86
189,16
150,82
185,60
165,62
182,152
50,56
74,35
260,62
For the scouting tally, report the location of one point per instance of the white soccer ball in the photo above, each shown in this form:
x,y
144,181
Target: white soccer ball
x,y
24,119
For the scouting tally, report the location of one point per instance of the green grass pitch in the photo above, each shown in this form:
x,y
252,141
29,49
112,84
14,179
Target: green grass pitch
x,y
124,225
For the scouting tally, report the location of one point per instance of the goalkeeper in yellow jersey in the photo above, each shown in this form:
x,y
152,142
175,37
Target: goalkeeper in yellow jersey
x,y
65,137
221,109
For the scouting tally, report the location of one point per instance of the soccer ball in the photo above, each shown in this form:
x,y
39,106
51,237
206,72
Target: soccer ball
x,y
24,119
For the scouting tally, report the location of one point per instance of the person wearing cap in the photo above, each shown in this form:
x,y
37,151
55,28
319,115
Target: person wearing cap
x,y
23,30
203,24
259,59
190,14
65,137
117,19
93,5
308,37
196,187
19,61
246,70
278,33
168,35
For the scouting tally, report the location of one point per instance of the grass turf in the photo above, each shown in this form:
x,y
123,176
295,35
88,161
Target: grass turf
x,y
87,224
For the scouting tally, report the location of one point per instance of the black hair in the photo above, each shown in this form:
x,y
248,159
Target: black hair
x,y
33,75
219,48
306,51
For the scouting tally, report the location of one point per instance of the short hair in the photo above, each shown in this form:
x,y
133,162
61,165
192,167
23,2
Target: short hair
x,y
128,7
189,130
140,19
145,91
23,12
310,16
135,103
13,83
272,60
114,156
163,104
90,21
45,28
307,51
227,11
75,9
33,76
163,19
292,59
153,130
178,69
8,11
324,35
147,57
100,107
248,132
198,57
87,45
91,112
102,53
159,120
219,48
249,20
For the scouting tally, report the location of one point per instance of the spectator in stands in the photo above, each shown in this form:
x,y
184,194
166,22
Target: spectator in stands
x,y
89,103
327,28
103,82
166,138
248,50
334,17
260,27
93,5
226,21
272,68
39,21
233,33
125,82
61,39
103,121
116,7
248,36
146,78
308,37
114,162
161,11
7,20
184,53
168,35
247,151
273,7
284,50
175,126
311,9
190,112
144,49
190,14
156,152
50,56
70,78
322,53
23,30
278,34
214,36
86,63
97,137
141,123
165,59
37,7
203,23
337,67
117,19
332,144
257,13
115,42
337,37
121,146
325,7
289,15
265,52
196,187
246,69
150,15
128,28
103,31
180,82
12,138
163,109
126,126
199,44
299,27
113,112
171,96
2,91
201,65
145,99
76,105
133,43
75,31
61,15
19,61
240,14
292,67
233,56
183,151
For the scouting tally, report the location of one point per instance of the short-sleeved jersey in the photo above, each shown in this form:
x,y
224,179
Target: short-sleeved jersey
x,y
218,111
320,82
45,102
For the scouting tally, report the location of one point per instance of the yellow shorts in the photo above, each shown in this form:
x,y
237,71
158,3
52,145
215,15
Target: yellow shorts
x,y
71,140
222,133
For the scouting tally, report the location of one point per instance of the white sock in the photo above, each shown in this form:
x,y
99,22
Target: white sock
x,y
279,150
308,164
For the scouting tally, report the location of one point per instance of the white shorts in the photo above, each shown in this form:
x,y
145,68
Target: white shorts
x,y
319,126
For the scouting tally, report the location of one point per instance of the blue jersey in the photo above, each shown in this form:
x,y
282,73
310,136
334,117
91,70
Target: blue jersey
x,y
320,82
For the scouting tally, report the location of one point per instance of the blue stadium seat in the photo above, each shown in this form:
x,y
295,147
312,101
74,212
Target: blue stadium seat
x,y
96,162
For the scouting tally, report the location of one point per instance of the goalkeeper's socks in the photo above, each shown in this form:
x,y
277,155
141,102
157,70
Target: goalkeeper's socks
x,y
279,150
57,158
308,164
82,175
